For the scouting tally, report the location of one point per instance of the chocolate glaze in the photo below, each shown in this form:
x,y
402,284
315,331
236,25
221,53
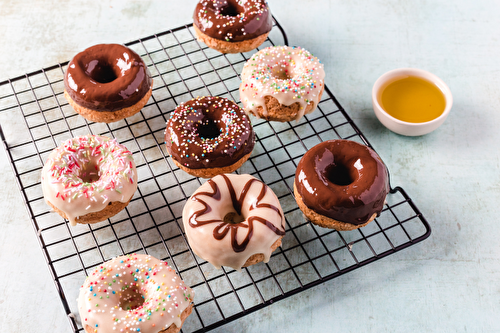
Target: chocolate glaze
x,y
233,20
223,228
343,180
209,132
107,77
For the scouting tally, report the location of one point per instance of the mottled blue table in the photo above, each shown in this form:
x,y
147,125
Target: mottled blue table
x,y
448,283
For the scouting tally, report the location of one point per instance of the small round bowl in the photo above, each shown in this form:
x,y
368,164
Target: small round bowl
x,y
403,127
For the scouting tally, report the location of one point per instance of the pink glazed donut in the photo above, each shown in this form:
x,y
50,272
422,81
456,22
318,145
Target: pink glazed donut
x,y
89,179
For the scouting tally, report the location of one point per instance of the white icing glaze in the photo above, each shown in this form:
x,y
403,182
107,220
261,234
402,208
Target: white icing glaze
x,y
153,293
289,74
263,223
86,173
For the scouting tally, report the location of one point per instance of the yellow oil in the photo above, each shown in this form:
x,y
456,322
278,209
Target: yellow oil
x,y
413,99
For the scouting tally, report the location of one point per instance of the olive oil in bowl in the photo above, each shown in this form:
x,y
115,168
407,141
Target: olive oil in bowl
x,y
413,99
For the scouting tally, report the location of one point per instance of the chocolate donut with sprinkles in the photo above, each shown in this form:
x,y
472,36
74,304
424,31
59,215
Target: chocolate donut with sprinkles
x,y
208,136
232,26
134,293
281,83
89,179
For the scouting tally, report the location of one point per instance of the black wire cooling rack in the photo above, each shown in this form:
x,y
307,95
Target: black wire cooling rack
x,y
36,118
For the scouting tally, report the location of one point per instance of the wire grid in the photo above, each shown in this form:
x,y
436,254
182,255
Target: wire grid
x,y
36,119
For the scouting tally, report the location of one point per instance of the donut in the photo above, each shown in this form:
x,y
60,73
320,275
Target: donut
x,y
134,293
207,136
233,220
107,82
281,83
89,179
232,26
341,184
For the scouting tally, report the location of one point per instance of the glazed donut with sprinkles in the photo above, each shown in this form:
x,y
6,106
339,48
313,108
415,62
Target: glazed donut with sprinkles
x,y
89,179
134,293
281,83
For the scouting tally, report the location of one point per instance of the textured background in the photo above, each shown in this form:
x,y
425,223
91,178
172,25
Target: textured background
x,y
448,283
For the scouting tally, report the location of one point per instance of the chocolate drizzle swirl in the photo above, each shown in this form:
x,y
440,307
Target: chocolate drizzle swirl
x,y
223,228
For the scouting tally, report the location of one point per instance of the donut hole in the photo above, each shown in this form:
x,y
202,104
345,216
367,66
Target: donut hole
x,y
339,174
131,300
208,129
101,71
233,218
89,173
232,9
283,74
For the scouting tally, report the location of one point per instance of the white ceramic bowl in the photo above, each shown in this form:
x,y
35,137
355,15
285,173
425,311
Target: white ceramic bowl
x,y
403,127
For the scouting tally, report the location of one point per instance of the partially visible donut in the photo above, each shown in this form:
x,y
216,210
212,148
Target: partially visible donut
x,y
107,82
341,184
89,179
234,220
207,136
134,293
281,83
232,26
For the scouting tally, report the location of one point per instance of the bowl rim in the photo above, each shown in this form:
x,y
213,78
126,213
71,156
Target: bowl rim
x,y
392,76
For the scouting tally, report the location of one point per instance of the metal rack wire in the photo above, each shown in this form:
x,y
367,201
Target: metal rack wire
x,y
36,119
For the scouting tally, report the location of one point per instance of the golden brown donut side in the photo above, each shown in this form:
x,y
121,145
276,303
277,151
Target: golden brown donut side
x,y
108,116
280,112
325,221
212,172
111,210
259,257
230,47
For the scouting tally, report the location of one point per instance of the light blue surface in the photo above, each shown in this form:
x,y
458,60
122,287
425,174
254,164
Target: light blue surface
x,y
448,283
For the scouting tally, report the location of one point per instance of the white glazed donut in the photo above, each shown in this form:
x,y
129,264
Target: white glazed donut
x,y
134,293
234,220
89,179
281,83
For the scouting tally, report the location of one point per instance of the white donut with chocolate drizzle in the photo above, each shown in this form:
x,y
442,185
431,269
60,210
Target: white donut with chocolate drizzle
x,y
133,293
232,217
86,173
289,74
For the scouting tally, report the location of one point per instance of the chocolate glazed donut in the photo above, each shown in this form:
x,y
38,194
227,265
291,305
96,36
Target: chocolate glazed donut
x,y
342,181
232,26
107,77
207,136
232,20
